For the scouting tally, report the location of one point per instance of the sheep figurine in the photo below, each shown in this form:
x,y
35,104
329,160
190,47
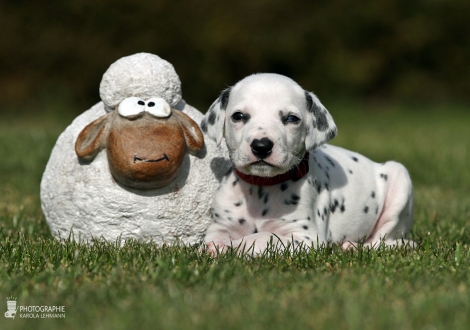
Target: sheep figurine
x,y
135,165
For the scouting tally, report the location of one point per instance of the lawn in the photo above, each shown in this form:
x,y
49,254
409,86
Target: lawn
x,y
139,285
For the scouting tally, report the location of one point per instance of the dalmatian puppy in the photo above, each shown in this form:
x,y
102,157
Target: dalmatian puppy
x,y
287,186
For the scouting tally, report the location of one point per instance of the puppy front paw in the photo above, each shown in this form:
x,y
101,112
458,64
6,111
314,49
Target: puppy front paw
x,y
214,248
349,245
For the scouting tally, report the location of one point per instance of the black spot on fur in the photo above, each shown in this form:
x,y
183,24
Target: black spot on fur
x,y
372,194
309,101
204,126
305,227
212,116
308,218
266,198
355,159
260,192
384,176
376,210
265,211
229,171
342,208
241,221
332,208
284,186
255,231
307,132
227,211
216,215
224,98
230,219
290,202
331,134
238,203
235,182
366,209
294,200
350,171
307,238
297,242
320,117
330,161
318,185
318,212
325,210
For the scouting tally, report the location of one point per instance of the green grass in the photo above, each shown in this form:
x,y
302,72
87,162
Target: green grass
x,y
139,285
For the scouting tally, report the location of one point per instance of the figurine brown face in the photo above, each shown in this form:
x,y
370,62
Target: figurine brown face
x,y
146,142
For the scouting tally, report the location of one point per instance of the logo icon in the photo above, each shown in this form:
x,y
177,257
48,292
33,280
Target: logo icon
x,y
11,306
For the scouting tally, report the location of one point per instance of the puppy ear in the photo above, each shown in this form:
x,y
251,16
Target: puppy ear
x,y
213,123
192,132
91,139
320,125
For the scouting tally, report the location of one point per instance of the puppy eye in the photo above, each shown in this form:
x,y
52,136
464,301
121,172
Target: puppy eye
x,y
238,116
292,119
131,106
158,107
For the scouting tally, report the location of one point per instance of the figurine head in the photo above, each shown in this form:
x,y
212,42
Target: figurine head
x,y
145,140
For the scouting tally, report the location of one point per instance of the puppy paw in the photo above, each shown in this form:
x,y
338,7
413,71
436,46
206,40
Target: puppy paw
x,y
214,248
349,245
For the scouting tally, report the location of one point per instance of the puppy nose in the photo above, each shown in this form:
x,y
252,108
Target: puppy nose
x,y
262,148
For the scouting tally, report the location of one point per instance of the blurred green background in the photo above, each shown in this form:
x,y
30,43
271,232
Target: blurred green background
x,y
386,50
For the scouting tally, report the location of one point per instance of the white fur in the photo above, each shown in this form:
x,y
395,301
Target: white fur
x,y
344,198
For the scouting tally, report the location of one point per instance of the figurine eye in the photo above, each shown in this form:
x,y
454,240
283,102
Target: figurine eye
x,y
238,116
158,107
292,119
131,106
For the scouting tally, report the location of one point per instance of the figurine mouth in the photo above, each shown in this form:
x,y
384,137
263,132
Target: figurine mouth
x,y
136,158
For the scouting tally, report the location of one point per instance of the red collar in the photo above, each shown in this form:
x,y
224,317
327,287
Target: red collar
x,y
294,174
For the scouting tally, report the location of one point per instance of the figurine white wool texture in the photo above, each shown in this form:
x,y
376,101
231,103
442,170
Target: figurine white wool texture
x,y
83,198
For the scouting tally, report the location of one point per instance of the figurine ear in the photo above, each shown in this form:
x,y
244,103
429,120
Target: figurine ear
x,y
213,123
192,132
320,125
91,139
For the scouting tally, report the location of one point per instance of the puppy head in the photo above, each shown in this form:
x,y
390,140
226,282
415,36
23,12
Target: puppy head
x,y
269,122
146,142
